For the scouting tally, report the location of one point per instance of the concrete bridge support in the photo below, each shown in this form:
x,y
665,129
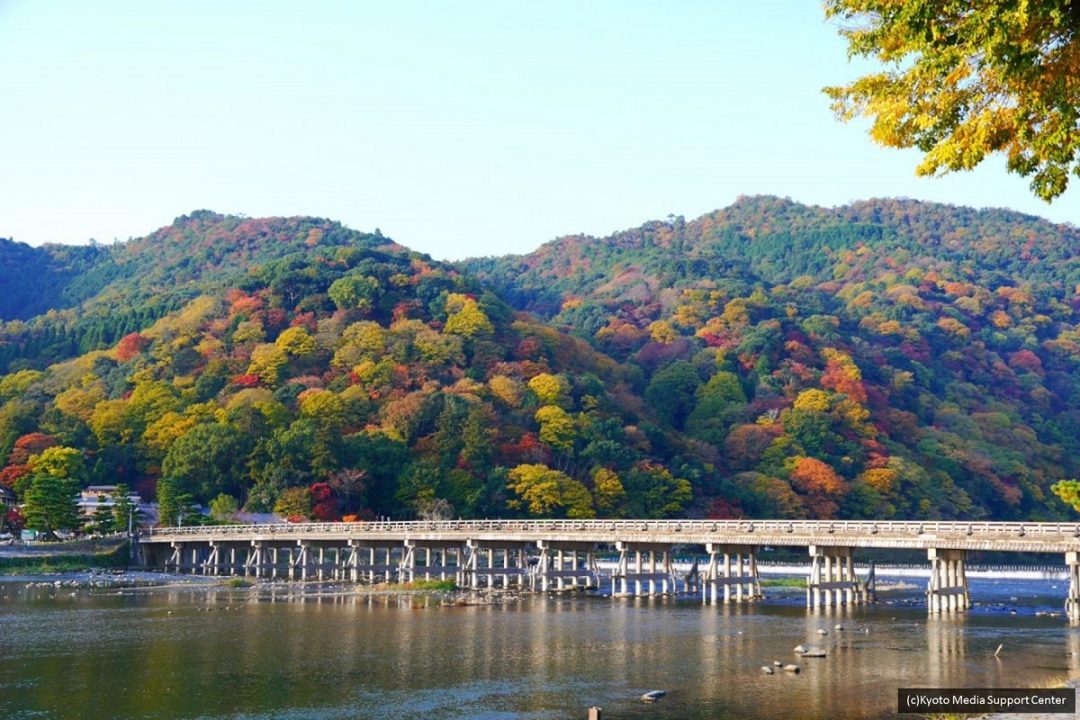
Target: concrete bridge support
x,y
269,560
173,562
731,566
1072,602
372,561
832,578
497,563
322,560
947,590
637,572
300,560
224,558
433,559
565,565
187,557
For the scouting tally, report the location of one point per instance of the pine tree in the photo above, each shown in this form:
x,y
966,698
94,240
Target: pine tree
x,y
102,519
124,512
51,504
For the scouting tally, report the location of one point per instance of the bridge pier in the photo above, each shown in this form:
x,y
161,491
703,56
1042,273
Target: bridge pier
x,y
745,580
947,590
221,559
299,561
624,574
1072,602
832,578
441,560
561,561
253,560
492,563
173,561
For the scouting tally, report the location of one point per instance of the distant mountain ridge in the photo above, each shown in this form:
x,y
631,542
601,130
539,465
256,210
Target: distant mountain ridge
x,y
102,292
744,238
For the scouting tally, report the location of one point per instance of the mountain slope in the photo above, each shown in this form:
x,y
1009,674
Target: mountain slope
x,y
884,359
39,279
325,373
895,358
99,294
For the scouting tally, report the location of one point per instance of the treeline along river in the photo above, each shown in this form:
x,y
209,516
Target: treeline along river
x,y
321,651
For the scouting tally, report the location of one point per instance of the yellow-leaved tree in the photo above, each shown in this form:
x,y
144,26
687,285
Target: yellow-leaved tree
x,y
962,80
545,492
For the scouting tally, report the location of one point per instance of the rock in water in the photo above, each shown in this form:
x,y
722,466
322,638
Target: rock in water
x,y
792,668
766,669
813,653
838,627
799,649
777,663
653,695
822,631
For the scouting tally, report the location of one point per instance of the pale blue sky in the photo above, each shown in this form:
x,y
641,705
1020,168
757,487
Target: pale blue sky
x,y
458,128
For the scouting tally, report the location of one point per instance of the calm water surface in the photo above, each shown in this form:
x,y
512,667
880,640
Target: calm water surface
x,y
163,654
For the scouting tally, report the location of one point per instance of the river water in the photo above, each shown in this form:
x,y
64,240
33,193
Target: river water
x,y
283,653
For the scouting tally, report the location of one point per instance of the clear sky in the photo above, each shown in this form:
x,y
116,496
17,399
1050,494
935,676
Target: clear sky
x,y
457,128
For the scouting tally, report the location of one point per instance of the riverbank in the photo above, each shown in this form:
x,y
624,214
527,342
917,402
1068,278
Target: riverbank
x,y
64,557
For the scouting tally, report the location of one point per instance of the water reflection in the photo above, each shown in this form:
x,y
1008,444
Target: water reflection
x,y
275,652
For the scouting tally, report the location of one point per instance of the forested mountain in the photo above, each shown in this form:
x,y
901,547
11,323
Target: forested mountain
x,y
98,294
884,359
888,358
40,279
327,373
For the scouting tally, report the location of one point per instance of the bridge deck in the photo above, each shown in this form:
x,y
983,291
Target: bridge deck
x,y
997,536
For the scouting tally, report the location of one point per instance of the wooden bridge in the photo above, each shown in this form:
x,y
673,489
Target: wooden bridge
x,y
561,554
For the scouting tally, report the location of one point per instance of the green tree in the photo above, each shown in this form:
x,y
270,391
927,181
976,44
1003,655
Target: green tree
x,y
51,499
717,406
355,291
101,521
125,513
671,392
51,504
207,460
224,507
653,492
175,507
294,502
963,80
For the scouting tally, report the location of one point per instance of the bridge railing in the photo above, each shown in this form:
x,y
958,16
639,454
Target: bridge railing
x,y
849,528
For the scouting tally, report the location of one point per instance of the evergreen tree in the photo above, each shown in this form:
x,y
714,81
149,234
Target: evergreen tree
x,y
102,519
51,504
175,507
125,513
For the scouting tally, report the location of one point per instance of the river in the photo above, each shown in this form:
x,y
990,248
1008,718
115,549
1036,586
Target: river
x,y
285,653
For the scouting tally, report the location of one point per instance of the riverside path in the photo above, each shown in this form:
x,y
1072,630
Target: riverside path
x,y
548,555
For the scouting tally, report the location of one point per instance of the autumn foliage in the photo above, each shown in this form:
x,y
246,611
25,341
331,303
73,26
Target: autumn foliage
x,y
888,359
